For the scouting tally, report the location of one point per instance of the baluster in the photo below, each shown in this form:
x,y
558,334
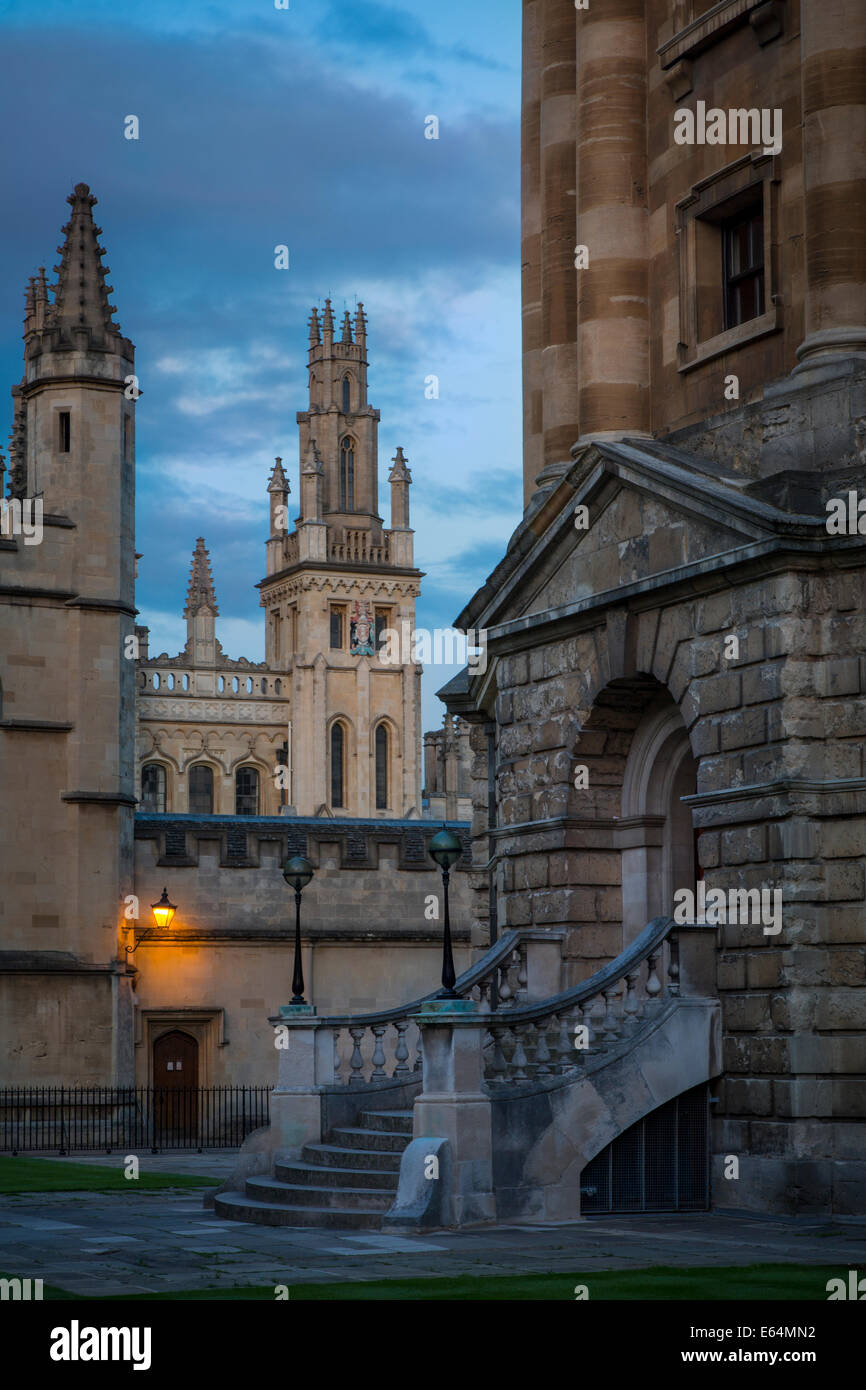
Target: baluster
x,y
506,994
402,1050
522,972
594,1026
357,1076
337,1077
674,966
542,1051
498,1064
419,1055
378,1052
518,1057
610,1023
564,1044
631,1008
653,984
484,989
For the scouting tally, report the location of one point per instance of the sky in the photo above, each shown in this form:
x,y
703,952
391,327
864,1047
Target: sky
x,y
303,127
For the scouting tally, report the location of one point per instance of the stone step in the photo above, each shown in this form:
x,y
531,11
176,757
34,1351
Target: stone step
x,y
338,1156
237,1206
367,1139
392,1121
264,1189
320,1175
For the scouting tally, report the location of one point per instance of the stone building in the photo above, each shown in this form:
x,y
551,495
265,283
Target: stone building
x,y
91,992
67,610
669,737
448,771
215,734
676,682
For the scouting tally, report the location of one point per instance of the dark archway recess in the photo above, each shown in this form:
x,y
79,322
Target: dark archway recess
x,y
659,1164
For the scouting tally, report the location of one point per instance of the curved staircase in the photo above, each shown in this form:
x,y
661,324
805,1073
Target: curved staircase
x,y
350,1180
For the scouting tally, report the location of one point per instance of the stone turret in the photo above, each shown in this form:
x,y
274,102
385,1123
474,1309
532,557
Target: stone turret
x,y
401,536
201,609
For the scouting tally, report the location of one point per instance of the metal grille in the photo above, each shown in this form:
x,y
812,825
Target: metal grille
x,y
77,1119
659,1164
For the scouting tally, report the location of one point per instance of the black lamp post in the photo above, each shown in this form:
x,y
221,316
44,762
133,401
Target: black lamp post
x,y
297,872
446,849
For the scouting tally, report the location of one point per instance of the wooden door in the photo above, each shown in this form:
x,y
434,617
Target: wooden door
x,y
175,1081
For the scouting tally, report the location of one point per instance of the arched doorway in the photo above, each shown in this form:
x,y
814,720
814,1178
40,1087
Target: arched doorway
x,y
636,766
175,1083
660,771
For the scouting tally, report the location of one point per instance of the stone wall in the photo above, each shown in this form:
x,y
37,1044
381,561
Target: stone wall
x,y
225,964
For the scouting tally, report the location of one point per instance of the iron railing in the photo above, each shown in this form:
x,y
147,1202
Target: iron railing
x,y
75,1119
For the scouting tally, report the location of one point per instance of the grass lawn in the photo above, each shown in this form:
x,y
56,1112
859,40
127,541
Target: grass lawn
x,y
749,1282
46,1175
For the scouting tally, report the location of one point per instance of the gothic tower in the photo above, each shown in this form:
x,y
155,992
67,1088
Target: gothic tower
x,y
67,679
334,586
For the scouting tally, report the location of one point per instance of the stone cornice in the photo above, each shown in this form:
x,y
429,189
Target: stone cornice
x,y
289,583
708,29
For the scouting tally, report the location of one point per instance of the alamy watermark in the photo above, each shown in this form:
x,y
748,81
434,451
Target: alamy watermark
x,y
443,646
739,126
22,517
744,906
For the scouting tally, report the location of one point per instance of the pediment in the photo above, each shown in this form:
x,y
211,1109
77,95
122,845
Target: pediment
x,y
649,511
632,535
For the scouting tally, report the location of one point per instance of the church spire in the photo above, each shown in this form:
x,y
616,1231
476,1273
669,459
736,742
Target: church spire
x,y
81,299
347,328
315,333
201,609
200,593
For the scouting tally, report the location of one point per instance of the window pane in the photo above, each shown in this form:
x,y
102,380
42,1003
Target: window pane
x,y
337,765
246,792
336,628
201,790
153,788
381,768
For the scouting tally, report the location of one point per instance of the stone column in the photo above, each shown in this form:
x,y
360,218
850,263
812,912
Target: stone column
x,y
612,222
558,110
453,1106
833,77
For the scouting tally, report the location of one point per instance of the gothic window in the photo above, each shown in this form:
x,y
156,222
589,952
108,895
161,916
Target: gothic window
x,y
381,767
246,792
383,621
337,628
338,759
153,788
347,395
347,475
200,790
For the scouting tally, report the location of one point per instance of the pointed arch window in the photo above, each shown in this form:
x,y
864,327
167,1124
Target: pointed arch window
x,y
201,790
381,767
153,788
347,394
347,475
338,764
246,792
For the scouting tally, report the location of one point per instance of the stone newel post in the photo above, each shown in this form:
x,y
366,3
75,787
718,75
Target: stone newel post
x,y
453,1105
